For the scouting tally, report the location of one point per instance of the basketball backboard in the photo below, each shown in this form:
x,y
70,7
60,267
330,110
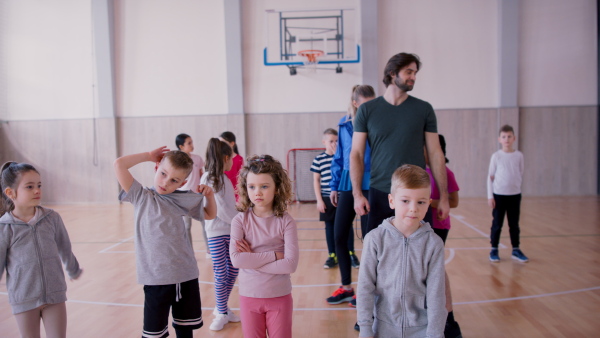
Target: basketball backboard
x,y
332,33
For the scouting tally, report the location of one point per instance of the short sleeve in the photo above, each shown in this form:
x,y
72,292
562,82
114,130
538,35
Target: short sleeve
x,y
197,211
316,166
134,195
360,121
431,122
452,184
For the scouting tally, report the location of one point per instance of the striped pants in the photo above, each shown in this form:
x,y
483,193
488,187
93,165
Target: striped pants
x,y
225,273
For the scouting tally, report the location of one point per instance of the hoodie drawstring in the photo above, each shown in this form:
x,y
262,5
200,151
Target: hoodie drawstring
x,y
178,292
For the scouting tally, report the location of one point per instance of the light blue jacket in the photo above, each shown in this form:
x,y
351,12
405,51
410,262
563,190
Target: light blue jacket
x,y
340,166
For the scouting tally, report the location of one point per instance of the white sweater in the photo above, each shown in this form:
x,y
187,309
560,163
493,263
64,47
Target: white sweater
x,y
507,170
226,210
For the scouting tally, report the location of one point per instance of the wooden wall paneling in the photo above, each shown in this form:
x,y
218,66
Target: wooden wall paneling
x,y
559,145
470,141
276,134
63,152
139,134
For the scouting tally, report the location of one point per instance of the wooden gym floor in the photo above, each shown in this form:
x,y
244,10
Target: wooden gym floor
x,y
556,294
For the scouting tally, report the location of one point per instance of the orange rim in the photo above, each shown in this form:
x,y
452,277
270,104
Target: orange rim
x,y
311,54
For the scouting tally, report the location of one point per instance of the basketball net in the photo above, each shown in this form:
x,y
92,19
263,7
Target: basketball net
x,y
311,59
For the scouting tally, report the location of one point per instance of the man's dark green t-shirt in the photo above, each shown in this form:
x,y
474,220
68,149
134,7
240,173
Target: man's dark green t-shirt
x,y
396,135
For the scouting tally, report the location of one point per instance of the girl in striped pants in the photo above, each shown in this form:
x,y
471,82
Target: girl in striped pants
x,y
219,157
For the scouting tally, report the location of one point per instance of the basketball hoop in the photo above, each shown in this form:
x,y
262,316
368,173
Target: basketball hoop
x,y
312,57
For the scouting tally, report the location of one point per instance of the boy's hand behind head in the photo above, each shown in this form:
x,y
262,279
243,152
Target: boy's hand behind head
x,y
157,154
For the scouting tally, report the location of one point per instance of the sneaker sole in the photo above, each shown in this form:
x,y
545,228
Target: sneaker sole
x,y
343,300
329,267
520,260
494,260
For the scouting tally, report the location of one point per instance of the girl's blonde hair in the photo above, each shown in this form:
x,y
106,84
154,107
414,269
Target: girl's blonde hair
x,y
359,90
265,164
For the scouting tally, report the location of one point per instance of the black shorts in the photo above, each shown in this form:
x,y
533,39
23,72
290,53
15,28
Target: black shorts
x,y
329,214
443,233
159,299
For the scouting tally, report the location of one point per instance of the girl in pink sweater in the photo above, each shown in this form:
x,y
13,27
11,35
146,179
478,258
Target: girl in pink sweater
x,y
264,246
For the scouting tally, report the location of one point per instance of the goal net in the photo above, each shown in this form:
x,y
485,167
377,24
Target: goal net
x,y
298,165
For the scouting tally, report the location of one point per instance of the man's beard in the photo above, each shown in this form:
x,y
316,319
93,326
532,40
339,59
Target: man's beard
x,y
403,86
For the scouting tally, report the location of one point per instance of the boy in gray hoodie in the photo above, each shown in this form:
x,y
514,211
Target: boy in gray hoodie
x,y
401,280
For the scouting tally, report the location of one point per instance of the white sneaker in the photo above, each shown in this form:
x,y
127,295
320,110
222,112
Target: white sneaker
x,y
219,322
232,317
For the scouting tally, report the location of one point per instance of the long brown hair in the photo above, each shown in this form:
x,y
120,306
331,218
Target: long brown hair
x,y
10,176
265,164
215,161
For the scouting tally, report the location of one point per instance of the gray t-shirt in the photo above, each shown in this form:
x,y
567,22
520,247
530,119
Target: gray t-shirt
x,y
163,253
396,135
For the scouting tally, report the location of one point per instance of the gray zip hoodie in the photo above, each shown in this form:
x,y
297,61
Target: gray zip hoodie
x,y
401,283
32,254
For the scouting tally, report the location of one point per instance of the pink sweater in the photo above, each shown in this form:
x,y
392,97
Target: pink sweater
x,y
261,276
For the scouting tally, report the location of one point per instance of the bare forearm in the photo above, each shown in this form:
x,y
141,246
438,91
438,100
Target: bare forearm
x,y
128,161
438,169
357,170
210,209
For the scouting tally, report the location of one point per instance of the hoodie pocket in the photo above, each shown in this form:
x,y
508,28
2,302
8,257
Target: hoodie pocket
x,y
24,284
416,314
55,276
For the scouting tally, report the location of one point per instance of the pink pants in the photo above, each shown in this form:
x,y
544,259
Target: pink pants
x,y
262,315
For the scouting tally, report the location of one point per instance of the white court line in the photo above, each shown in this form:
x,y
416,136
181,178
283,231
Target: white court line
x,y
132,252
461,219
349,308
116,244
450,258
528,297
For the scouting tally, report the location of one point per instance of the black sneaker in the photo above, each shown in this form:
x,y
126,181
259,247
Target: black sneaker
x,y
452,330
354,260
352,302
340,295
357,327
330,262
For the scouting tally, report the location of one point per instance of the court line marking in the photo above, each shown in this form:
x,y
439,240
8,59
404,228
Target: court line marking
x,y
116,244
450,257
461,219
560,293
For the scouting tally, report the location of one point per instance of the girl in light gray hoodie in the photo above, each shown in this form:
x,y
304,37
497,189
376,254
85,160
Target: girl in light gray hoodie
x,y
33,242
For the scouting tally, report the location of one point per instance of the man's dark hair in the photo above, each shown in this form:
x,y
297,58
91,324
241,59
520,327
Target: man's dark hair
x,y
398,62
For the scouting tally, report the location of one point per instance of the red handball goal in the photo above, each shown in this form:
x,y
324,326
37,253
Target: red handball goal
x,y
298,165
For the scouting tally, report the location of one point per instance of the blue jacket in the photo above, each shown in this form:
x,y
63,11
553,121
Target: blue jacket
x,y
340,166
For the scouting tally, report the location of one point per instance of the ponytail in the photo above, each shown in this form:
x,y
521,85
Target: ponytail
x,y
10,175
215,161
365,91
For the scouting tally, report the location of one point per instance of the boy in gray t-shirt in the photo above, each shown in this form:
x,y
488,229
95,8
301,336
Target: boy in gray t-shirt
x,y
165,260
